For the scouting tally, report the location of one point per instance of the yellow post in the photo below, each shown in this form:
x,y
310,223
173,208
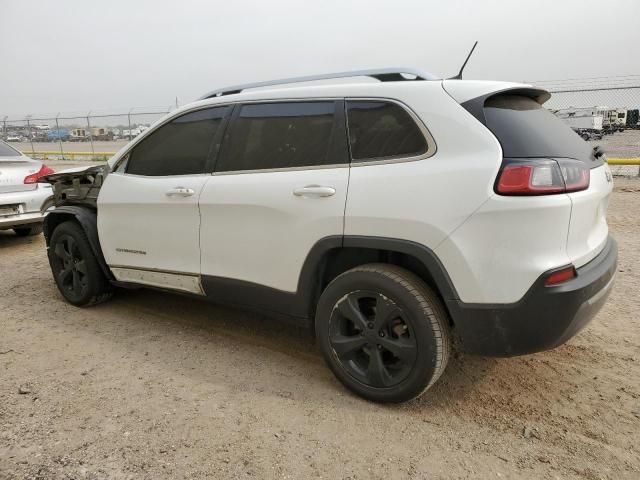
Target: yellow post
x,y
624,161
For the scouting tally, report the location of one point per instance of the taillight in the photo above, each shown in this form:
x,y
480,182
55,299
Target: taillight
x,y
33,178
542,177
560,276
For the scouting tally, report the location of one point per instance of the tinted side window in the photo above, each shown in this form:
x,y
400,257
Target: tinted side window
x,y
180,147
382,130
280,135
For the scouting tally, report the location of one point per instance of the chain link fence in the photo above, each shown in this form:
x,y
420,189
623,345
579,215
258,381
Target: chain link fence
x,y
603,110
89,136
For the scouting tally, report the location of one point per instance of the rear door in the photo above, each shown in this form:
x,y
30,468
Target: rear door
x,y
148,215
279,186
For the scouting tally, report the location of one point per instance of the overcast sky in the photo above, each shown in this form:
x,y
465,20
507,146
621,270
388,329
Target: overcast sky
x,y
78,55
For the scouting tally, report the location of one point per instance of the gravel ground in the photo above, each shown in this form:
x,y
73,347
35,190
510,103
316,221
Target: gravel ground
x,y
160,386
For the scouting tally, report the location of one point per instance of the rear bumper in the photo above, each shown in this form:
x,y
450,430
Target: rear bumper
x,y
544,318
31,206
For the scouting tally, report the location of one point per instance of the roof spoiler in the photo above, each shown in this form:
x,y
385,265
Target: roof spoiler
x,y
475,106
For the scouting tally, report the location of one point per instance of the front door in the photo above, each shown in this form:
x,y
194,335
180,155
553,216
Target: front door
x,y
148,213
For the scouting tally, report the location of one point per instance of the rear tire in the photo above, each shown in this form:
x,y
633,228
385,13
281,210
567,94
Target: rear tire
x,y
383,332
75,268
27,231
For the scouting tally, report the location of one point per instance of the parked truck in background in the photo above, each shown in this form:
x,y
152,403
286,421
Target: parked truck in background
x,y
58,135
612,119
101,133
79,135
619,119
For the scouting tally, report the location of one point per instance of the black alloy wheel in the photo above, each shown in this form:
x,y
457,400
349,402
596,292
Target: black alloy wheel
x,y
69,266
372,338
383,332
76,270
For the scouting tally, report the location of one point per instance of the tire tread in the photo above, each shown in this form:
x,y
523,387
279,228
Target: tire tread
x,y
427,299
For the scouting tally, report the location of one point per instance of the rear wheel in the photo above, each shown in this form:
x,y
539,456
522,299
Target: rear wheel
x,y
75,268
383,332
28,230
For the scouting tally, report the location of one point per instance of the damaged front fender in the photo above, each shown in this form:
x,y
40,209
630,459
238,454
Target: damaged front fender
x,y
77,186
75,196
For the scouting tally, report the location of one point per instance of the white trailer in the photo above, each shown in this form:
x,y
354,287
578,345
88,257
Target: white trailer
x,y
591,120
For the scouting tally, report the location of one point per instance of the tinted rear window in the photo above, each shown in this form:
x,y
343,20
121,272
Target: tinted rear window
x,y
526,129
7,151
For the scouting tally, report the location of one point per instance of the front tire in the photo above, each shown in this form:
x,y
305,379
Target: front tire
x,y
75,268
383,332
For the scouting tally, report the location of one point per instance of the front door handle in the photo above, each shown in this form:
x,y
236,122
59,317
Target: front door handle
x,y
314,191
180,192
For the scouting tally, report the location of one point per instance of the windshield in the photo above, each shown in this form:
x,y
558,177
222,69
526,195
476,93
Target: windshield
x,y
525,129
7,151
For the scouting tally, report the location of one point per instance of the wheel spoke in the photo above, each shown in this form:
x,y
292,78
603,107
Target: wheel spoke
x,y
81,266
350,309
77,286
385,311
347,346
376,371
64,274
71,245
61,252
405,351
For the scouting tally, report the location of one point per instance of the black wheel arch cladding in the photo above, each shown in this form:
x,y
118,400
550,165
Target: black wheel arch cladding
x,y
88,219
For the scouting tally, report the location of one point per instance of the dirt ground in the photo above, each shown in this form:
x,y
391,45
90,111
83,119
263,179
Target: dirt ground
x,y
160,386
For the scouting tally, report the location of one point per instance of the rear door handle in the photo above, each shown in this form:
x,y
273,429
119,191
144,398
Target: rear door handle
x,y
180,192
314,191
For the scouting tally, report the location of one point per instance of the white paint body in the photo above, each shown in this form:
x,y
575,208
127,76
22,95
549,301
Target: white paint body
x,y
251,226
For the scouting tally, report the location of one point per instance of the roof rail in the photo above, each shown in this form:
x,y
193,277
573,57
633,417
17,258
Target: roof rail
x,y
382,74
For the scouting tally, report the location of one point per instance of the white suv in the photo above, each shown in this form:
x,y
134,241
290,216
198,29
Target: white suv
x,y
388,215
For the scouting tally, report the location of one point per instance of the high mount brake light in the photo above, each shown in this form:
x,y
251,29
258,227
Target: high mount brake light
x,y
33,178
542,177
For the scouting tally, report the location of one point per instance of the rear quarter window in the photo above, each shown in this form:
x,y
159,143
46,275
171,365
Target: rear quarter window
x,y
382,130
526,129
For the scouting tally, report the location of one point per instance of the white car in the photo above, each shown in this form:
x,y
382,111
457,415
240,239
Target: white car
x,y
389,215
23,201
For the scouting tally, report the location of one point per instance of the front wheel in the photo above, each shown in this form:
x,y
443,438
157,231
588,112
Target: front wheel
x,y
383,332
75,268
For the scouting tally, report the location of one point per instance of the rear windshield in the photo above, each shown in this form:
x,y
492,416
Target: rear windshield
x,y
7,151
526,129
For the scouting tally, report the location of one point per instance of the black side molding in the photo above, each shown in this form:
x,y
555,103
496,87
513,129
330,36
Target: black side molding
x,y
300,305
423,254
297,305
